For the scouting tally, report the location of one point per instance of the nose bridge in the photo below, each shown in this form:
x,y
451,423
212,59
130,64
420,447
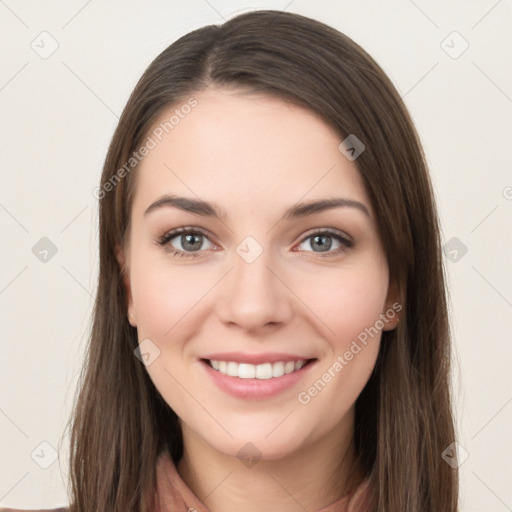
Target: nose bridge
x,y
254,295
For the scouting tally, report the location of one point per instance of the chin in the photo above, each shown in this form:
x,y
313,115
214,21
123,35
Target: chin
x,y
270,440
249,452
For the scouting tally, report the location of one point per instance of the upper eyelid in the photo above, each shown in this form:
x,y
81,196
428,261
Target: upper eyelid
x,y
329,231
173,233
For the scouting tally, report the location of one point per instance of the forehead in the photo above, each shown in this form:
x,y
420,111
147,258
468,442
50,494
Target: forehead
x,y
234,145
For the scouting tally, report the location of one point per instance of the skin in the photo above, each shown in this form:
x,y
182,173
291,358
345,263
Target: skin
x,y
255,156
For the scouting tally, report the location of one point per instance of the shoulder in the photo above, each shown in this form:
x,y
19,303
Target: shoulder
x,y
61,509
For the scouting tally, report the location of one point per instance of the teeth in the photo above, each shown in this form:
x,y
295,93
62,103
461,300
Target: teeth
x,y
232,369
278,369
260,371
243,370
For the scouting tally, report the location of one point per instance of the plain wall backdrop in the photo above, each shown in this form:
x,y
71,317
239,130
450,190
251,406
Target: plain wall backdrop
x,y
66,72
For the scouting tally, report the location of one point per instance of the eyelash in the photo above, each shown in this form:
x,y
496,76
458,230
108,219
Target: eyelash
x,y
167,237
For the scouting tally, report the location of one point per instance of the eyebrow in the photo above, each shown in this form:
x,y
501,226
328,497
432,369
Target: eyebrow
x,y
206,209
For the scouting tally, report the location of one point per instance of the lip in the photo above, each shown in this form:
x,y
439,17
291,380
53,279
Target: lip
x,y
265,357
257,389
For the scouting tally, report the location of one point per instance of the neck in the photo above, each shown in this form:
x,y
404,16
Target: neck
x,y
311,478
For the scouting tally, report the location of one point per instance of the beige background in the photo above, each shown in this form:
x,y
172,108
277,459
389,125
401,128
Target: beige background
x,y
58,114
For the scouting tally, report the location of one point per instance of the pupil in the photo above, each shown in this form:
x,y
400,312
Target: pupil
x,y
324,246
190,244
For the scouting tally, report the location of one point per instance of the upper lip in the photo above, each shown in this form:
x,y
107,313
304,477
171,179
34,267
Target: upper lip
x,y
265,357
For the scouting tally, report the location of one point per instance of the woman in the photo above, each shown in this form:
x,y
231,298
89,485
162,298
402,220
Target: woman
x,y
271,325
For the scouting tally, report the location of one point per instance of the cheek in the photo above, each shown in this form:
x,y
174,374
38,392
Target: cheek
x,y
348,302
166,301
350,305
163,296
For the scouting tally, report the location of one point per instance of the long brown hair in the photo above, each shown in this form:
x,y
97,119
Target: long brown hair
x,y
403,418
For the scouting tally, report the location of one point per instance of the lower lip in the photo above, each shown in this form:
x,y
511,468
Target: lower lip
x,y
256,389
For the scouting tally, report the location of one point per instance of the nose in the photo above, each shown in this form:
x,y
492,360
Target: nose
x,y
254,295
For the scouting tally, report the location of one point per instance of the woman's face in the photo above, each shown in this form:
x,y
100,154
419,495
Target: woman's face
x,y
255,284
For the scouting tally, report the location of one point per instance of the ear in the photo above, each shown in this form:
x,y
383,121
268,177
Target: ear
x,y
122,259
393,306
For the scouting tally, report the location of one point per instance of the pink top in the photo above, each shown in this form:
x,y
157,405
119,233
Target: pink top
x,y
175,495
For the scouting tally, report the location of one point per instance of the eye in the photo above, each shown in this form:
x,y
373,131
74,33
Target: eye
x,y
189,242
323,241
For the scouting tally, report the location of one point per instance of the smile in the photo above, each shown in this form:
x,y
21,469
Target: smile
x,y
259,371
256,376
